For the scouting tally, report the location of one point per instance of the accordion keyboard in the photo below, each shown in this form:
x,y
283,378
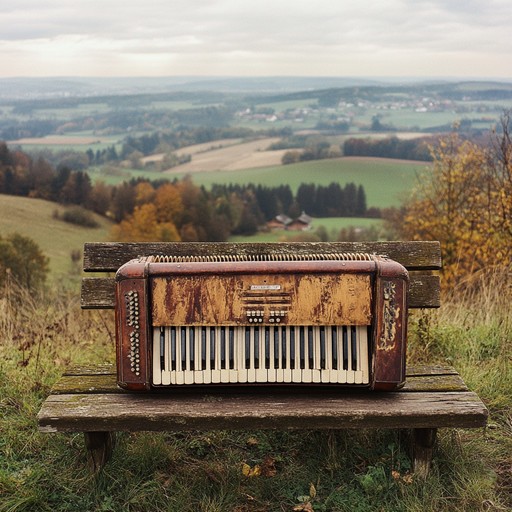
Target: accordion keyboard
x,y
260,354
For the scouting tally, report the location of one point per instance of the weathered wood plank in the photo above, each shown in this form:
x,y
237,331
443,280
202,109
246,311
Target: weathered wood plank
x,y
106,383
109,256
128,412
98,292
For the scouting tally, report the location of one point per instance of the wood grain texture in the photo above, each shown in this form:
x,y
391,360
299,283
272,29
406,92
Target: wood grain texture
x,y
87,399
109,256
130,412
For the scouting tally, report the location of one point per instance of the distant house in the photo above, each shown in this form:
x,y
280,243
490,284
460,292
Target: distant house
x,y
279,222
302,223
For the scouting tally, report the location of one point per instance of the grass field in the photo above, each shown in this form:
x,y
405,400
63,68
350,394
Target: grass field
x,y
202,471
57,239
385,181
332,225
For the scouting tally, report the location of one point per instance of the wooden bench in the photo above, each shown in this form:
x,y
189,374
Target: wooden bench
x,y
88,399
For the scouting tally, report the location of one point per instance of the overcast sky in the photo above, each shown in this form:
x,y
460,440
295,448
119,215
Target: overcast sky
x,y
427,38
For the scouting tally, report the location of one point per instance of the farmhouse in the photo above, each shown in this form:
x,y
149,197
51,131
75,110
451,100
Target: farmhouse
x,y
301,223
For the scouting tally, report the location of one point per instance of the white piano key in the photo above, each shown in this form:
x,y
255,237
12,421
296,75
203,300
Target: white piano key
x,y
331,340
326,370
269,345
350,372
157,372
296,372
287,372
240,344
363,354
224,355
251,371
342,373
279,354
234,347
189,370
317,373
198,374
166,374
307,373
207,366
180,376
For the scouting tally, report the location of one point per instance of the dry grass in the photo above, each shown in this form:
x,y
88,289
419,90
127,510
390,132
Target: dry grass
x,y
203,471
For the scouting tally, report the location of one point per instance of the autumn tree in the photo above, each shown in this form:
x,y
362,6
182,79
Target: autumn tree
x,y
22,260
465,202
143,226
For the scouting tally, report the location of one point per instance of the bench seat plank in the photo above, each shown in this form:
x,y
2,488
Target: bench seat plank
x,y
109,256
129,412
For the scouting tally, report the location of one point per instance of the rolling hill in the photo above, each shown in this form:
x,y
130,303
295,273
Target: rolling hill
x,y
35,218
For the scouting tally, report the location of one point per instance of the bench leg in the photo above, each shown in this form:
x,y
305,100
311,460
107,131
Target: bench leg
x,y
423,441
99,447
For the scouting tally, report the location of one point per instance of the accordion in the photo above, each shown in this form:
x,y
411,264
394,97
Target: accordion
x,y
275,320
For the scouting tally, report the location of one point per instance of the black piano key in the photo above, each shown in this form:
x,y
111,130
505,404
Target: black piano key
x,y
223,348
231,348
345,348
276,347
183,343
323,349
173,349
322,353
334,341
302,348
203,348
257,350
283,345
192,346
267,348
311,349
292,348
353,346
212,348
247,348
162,349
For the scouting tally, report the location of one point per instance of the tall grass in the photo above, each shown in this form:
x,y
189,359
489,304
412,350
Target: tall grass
x,y
259,470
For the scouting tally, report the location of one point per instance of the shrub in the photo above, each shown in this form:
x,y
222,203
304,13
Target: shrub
x,y
80,217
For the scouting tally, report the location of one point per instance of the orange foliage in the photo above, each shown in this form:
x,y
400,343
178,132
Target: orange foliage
x,y
143,226
461,203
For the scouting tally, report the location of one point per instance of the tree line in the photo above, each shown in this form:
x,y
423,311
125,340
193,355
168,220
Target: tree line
x,y
178,210
390,147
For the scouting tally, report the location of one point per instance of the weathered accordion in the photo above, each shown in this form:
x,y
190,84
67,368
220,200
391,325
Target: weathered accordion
x,y
310,319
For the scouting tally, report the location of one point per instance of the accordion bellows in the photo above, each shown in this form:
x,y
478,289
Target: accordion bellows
x,y
336,319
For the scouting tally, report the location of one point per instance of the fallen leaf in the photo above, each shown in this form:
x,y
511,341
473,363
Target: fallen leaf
x,y
268,467
250,472
304,507
312,490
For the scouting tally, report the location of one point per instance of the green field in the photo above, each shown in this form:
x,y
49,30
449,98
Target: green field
x,y
333,225
57,239
385,181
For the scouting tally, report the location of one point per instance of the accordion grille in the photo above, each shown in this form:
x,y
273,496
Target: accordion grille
x,y
335,256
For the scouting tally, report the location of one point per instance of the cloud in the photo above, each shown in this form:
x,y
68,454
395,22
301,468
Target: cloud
x,y
267,36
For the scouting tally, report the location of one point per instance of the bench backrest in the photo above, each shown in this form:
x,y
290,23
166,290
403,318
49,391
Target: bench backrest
x,y
421,258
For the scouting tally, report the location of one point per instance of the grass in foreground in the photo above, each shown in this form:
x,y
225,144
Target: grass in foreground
x,y
250,471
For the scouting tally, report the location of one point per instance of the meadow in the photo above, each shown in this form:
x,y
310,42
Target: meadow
x,y
36,219
310,471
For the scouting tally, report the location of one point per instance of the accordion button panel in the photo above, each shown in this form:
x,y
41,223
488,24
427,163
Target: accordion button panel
x,y
185,355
